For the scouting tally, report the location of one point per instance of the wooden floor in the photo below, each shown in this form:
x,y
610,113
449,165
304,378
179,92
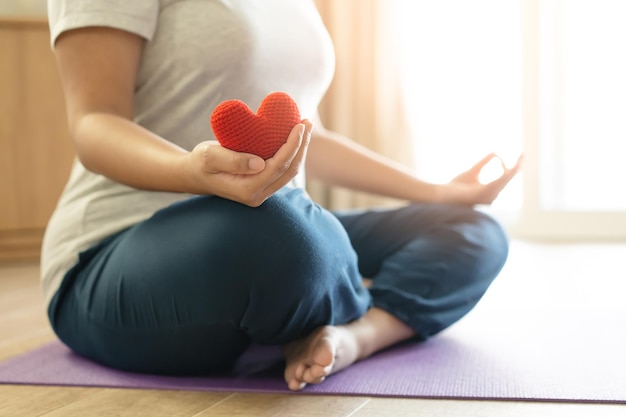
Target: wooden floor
x,y
23,326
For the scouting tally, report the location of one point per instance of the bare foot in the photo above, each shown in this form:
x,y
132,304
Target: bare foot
x,y
325,351
330,349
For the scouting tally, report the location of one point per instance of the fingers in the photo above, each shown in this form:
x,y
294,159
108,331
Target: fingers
x,y
289,160
478,167
287,156
247,178
472,174
497,185
482,163
509,173
219,159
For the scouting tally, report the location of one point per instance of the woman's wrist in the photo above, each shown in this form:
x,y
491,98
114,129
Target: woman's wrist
x,y
441,193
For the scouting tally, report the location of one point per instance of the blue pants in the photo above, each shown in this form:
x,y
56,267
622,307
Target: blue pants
x,y
186,291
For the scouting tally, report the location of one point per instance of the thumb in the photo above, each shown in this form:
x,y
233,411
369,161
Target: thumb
x,y
216,158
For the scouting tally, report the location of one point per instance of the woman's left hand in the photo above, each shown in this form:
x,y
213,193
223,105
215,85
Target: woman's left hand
x,y
466,188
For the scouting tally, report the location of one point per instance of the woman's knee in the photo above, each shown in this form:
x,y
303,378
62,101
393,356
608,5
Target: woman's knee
x,y
471,244
481,248
308,246
475,236
288,243
307,272
491,238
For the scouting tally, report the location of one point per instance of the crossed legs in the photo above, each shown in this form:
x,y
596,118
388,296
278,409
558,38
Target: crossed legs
x,y
175,296
430,265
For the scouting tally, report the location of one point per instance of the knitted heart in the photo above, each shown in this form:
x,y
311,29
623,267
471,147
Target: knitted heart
x,y
237,128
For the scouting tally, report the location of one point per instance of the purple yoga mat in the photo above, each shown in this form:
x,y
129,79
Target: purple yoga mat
x,y
510,354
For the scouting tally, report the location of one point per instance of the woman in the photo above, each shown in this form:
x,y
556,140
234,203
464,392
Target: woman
x,y
170,254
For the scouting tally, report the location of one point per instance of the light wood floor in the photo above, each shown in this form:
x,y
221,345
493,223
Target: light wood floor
x,y
23,326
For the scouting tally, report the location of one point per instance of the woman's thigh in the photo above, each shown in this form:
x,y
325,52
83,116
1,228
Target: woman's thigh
x,y
188,289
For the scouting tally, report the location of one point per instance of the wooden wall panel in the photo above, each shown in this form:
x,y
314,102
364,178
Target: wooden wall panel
x,y
35,148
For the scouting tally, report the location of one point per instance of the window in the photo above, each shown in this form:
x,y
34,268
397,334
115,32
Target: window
x,y
583,104
546,77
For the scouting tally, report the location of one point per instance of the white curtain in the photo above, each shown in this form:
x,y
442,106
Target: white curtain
x,y
364,101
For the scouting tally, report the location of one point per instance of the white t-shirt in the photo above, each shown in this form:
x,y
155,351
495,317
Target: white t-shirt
x,y
198,53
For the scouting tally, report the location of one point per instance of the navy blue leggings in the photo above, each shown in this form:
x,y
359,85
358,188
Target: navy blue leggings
x,y
186,291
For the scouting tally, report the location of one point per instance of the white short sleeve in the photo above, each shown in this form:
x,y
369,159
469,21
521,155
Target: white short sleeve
x,y
136,16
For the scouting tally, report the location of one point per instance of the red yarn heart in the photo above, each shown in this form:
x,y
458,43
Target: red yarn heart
x,y
237,128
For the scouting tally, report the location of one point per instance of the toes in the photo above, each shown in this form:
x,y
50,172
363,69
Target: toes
x,y
295,385
304,375
316,374
316,380
311,361
300,371
294,376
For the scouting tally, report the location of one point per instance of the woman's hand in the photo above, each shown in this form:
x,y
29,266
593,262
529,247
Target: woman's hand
x,y
243,177
466,187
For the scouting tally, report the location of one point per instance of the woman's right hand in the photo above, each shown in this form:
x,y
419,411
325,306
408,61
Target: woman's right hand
x,y
242,177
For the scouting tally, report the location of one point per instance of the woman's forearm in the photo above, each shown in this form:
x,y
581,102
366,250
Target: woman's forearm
x,y
337,160
119,149
125,152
